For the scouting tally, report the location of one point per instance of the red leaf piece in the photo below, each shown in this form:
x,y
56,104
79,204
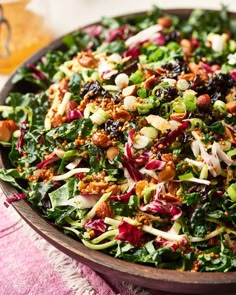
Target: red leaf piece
x,y
129,233
97,224
171,137
48,161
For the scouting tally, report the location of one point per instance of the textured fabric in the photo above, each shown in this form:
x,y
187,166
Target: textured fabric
x,y
24,269
30,265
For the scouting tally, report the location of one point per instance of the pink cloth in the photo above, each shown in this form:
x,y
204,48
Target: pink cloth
x,y
22,264
31,266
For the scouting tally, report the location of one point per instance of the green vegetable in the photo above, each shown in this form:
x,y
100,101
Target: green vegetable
x,y
137,77
190,102
185,176
99,117
231,190
219,107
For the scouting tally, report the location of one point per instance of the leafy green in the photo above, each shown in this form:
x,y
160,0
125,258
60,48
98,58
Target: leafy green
x,y
96,158
159,55
219,259
200,21
110,22
59,214
63,193
115,46
81,127
126,209
39,192
198,222
28,107
192,198
44,72
24,73
161,258
217,127
137,77
75,83
11,176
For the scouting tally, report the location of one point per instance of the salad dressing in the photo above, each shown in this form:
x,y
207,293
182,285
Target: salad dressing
x,y
22,32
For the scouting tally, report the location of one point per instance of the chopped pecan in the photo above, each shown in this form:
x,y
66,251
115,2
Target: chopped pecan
x,y
168,172
101,139
231,134
186,46
87,60
167,157
165,22
93,187
150,83
7,127
179,117
104,210
231,95
188,76
114,189
171,199
153,217
231,106
122,116
63,85
140,185
142,218
197,70
172,188
194,68
112,152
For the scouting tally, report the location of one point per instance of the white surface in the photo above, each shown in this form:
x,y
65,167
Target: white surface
x,y
68,15
2,80
80,12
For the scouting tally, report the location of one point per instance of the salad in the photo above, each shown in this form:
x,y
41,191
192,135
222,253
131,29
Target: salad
x,y
127,140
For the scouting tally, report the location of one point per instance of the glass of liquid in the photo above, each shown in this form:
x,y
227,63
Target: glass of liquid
x,y
24,28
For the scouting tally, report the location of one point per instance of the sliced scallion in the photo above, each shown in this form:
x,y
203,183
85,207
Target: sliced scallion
x,y
99,117
99,246
185,176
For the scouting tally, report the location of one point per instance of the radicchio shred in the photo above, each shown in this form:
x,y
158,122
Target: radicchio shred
x,y
97,224
171,137
129,233
23,130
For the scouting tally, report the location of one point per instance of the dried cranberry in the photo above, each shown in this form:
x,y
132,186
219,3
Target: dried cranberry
x,y
167,94
179,66
93,89
112,128
172,36
219,85
198,85
116,98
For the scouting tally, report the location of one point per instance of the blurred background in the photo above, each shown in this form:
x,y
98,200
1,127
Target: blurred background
x,y
31,24
67,15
